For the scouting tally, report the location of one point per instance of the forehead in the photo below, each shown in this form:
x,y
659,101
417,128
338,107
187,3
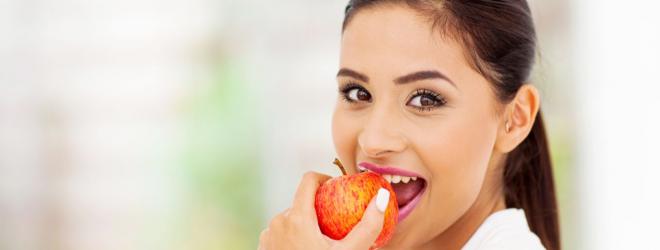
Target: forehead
x,y
397,39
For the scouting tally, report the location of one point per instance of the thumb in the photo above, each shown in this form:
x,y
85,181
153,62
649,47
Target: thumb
x,y
365,233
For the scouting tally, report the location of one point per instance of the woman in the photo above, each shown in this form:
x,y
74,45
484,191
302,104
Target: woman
x,y
437,90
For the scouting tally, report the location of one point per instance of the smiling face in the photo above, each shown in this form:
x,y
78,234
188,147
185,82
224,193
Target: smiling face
x,y
410,100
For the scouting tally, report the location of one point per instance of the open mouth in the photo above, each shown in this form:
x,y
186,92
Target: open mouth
x,y
407,185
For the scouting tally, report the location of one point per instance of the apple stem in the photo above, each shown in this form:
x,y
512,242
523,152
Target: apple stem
x,y
341,167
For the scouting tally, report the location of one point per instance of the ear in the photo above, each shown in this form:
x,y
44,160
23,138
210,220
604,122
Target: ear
x,y
518,119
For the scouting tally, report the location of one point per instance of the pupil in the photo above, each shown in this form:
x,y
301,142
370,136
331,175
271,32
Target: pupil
x,y
363,96
425,101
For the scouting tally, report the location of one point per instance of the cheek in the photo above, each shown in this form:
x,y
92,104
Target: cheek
x,y
457,155
344,137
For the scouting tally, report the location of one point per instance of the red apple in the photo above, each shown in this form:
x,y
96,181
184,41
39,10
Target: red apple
x,y
341,202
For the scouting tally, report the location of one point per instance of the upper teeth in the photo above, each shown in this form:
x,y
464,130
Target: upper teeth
x,y
394,178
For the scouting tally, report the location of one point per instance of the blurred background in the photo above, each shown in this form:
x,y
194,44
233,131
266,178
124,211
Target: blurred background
x,y
176,124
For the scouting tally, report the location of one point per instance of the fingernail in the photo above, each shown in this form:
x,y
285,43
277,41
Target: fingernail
x,y
382,198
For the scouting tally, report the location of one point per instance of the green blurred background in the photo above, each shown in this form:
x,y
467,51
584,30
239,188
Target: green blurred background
x,y
176,125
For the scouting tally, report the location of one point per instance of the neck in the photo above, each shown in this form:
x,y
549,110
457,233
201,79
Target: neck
x,y
489,201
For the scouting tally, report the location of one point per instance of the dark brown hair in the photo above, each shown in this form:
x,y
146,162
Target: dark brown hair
x,y
499,41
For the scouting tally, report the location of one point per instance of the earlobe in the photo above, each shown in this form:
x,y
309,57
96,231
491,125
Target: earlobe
x,y
518,118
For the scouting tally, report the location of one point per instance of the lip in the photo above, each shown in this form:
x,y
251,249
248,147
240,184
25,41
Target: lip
x,y
387,170
408,208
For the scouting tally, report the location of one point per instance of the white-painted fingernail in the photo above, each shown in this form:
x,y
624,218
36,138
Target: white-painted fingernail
x,y
382,198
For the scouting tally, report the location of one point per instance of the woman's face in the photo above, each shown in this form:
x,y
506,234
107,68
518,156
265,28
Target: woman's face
x,y
441,124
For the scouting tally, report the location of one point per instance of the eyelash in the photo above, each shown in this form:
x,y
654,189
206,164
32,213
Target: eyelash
x,y
438,99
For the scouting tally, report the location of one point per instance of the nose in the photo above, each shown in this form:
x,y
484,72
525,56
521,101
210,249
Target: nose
x,y
381,136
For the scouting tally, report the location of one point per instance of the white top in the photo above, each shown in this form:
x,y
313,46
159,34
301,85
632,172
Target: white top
x,y
504,230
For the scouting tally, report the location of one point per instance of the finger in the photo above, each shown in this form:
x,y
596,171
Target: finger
x,y
306,193
365,233
263,239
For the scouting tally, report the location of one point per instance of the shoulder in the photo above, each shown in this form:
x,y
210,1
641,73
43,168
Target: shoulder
x,y
506,229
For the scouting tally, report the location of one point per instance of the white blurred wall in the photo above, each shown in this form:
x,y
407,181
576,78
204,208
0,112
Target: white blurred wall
x,y
618,105
88,129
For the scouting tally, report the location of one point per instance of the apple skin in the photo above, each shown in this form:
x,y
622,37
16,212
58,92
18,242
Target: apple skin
x,y
341,201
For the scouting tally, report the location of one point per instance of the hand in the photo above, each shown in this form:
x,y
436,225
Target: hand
x,y
297,227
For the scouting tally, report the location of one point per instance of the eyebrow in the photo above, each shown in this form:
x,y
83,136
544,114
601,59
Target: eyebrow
x,y
422,75
353,74
412,77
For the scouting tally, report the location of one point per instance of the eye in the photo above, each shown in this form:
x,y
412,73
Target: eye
x,y
358,95
426,100
355,93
